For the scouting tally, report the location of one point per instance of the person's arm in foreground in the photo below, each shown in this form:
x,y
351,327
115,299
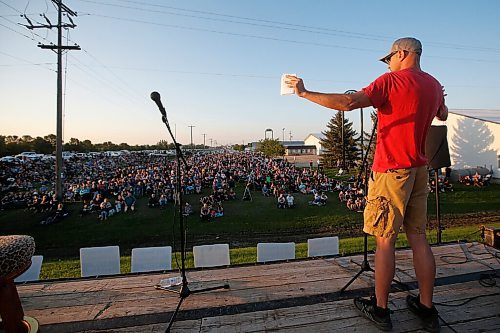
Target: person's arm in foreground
x,y
341,102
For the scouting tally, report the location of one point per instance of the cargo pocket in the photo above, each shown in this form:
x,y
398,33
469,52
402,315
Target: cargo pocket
x,y
376,217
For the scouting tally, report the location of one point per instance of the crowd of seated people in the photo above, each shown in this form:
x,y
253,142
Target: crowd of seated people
x,y
320,198
211,207
444,184
475,180
124,180
353,196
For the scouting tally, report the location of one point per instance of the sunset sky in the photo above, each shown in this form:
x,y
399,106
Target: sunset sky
x,y
217,63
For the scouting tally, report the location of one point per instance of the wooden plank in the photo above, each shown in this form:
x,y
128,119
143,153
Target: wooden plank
x,y
334,316
114,300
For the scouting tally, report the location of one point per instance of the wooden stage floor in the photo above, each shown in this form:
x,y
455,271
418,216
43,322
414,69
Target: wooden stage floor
x,y
296,296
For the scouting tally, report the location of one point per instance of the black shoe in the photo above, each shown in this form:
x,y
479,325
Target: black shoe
x,y
368,308
428,317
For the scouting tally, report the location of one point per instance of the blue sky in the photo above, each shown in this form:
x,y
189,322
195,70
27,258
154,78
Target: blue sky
x,y
217,64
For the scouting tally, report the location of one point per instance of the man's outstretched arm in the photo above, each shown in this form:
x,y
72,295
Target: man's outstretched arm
x,y
341,102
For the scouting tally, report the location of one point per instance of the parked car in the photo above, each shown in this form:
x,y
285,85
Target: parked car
x,y
8,159
29,155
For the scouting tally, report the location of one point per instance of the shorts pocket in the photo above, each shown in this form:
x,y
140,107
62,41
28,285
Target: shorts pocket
x,y
376,216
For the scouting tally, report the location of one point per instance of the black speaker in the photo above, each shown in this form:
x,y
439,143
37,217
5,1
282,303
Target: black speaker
x,y
436,147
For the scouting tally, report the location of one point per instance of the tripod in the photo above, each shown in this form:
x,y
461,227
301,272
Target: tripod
x,y
365,265
246,194
184,291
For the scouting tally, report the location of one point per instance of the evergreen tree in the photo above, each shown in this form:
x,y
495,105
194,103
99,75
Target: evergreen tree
x,y
366,139
332,142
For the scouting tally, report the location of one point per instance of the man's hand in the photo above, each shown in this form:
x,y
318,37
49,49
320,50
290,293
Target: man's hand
x,y
297,84
442,113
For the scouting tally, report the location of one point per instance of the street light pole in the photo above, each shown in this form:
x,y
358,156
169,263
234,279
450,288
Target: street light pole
x,y
283,135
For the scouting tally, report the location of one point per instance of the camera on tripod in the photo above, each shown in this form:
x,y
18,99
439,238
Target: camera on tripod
x,y
246,194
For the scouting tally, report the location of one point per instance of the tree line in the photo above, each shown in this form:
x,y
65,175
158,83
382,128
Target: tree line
x,y
13,145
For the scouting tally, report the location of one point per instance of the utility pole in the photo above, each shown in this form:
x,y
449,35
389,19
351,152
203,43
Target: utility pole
x,y
191,126
59,49
204,135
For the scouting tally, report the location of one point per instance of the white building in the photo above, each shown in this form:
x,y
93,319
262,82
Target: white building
x,y
314,139
474,139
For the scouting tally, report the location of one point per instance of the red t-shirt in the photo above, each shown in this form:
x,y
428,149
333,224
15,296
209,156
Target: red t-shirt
x,y
407,102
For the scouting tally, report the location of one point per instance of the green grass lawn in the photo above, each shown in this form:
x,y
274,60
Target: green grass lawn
x,y
245,223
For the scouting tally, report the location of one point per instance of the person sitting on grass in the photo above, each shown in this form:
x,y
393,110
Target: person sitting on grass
x,y
317,200
129,202
323,198
119,204
265,190
105,208
205,212
290,200
188,209
153,201
162,201
281,201
217,211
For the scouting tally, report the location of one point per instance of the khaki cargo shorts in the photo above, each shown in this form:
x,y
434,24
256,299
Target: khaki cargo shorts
x,y
397,198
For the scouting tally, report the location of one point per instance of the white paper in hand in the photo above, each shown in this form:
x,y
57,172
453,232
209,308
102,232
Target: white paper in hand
x,y
284,87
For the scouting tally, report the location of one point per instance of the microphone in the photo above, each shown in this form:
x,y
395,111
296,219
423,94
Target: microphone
x,y
155,96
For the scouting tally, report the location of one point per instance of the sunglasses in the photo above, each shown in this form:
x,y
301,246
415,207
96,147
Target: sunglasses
x,y
387,59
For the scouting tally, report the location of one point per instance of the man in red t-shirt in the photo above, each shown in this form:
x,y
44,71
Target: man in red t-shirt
x,y
407,100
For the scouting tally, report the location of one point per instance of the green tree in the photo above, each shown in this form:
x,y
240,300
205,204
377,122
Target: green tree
x,y
52,138
366,139
332,142
87,146
73,145
238,147
271,148
162,145
27,138
42,146
3,146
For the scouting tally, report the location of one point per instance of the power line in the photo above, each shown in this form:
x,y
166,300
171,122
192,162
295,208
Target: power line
x,y
281,25
132,20
27,62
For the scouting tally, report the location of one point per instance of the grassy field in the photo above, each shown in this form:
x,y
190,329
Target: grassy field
x,y
244,225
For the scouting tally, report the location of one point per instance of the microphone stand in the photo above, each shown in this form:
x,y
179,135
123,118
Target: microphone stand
x,y
184,291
